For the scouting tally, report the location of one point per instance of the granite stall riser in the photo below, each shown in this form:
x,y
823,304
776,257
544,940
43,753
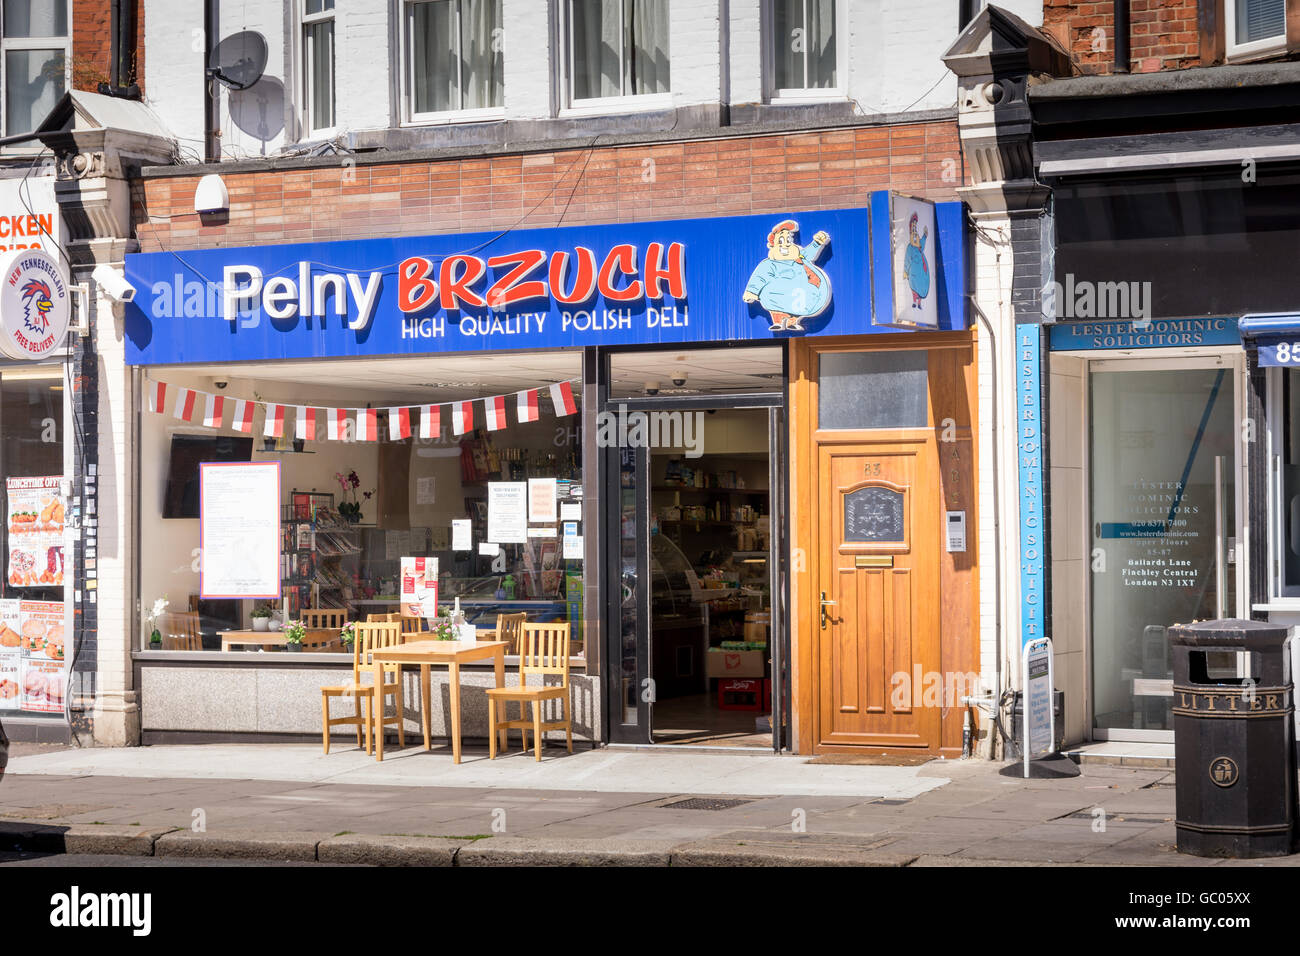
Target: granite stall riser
x,y
287,700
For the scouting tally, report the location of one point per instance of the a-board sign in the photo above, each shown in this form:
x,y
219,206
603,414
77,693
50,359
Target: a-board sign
x,y
1039,717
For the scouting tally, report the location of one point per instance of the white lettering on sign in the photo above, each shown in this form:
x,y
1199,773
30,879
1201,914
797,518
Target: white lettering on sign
x,y
282,297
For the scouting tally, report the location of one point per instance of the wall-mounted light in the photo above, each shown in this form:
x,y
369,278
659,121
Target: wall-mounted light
x,y
210,196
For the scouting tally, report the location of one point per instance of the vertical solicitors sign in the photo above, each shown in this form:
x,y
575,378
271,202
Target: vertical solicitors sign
x,y
749,278
1029,457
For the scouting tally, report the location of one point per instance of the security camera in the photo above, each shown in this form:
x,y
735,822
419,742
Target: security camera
x,y
679,379
113,284
221,384
652,388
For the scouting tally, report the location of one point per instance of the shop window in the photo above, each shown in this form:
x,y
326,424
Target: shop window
x,y
318,65
35,49
803,47
33,609
454,57
617,49
1286,508
1255,27
873,389
498,505
657,374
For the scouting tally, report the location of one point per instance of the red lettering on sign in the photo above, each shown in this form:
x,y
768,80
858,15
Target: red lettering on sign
x,y
584,282
623,258
508,289
675,272
415,289
456,290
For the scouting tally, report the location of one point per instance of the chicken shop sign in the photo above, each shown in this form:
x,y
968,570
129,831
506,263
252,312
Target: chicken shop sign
x,y
35,307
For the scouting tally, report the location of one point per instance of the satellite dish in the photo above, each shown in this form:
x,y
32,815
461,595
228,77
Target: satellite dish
x,y
239,60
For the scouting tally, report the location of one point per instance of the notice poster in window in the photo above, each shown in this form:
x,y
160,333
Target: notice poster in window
x,y
36,512
461,536
239,530
11,655
42,669
541,500
419,595
43,684
507,512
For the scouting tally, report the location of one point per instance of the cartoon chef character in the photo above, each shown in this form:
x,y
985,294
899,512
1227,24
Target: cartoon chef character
x,y
787,283
916,268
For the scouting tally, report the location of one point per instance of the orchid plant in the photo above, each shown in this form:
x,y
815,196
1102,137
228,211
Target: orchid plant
x,y
349,506
159,606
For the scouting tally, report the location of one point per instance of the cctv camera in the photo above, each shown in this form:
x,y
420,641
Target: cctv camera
x,y
679,379
221,384
113,284
652,388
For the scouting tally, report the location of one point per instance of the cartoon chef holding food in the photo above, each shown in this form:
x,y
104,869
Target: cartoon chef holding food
x,y
787,283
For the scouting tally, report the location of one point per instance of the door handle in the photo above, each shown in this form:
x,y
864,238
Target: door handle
x,y
824,605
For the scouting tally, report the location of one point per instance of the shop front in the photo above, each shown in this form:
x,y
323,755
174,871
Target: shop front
x,y
594,424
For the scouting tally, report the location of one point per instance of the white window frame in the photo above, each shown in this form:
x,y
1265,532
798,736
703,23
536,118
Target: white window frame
x,y
8,43
1280,596
603,105
436,117
779,96
1257,49
305,20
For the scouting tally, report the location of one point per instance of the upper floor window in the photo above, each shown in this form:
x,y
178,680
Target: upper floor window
x,y
1255,27
318,65
453,57
617,48
804,55
35,52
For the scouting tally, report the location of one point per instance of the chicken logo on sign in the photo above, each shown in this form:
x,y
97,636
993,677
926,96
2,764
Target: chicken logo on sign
x,y
36,296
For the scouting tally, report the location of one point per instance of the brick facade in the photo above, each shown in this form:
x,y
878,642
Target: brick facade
x,y
92,43
717,177
1164,34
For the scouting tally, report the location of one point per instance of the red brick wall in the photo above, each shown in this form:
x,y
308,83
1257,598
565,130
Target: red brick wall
x,y
92,43
1164,34
727,177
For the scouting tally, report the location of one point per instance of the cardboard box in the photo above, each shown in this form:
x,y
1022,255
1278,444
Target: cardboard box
x,y
720,663
756,631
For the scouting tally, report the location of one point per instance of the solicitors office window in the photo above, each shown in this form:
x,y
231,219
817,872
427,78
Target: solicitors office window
x,y
803,48
454,59
318,65
1284,472
1255,28
35,53
617,49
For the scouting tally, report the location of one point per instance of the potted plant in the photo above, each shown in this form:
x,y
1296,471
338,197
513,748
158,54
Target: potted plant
x,y
261,616
294,632
155,636
349,635
444,628
349,506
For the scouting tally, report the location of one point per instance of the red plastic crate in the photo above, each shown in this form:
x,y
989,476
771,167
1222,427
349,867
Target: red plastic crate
x,y
740,693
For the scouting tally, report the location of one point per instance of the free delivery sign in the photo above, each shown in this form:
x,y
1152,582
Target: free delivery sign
x,y
751,278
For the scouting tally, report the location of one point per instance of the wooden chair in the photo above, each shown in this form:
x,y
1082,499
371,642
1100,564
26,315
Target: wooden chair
x,y
545,651
370,636
411,625
510,628
383,618
180,631
323,640
321,617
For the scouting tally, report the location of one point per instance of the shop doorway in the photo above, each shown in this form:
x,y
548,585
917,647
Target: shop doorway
x,y
1164,512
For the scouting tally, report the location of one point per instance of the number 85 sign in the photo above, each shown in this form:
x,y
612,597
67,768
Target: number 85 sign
x,y
1282,352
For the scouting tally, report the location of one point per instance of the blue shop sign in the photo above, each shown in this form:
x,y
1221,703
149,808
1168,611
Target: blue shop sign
x,y
1075,335
750,278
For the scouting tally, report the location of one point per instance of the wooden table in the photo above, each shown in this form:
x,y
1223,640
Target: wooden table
x,y
427,653
242,638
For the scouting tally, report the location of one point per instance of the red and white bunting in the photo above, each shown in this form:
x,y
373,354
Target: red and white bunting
x,y
527,404
213,409
305,423
399,423
366,424
430,421
243,418
336,421
462,417
184,407
274,421
562,396
495,410
158,397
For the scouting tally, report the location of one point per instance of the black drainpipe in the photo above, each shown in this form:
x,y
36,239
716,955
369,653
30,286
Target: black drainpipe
x,y
125,40
115,46
211,147
1121,36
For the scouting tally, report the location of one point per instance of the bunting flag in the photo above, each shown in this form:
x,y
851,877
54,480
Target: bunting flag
x,y
274,421
495,410
157,396
305,423
366,421
184,408
462,417
336,422
243,417
430,421
527,404
213,409
562,396
399,423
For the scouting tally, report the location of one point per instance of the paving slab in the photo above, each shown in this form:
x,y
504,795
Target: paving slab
x,y
780,853
373,850
521,851
241,844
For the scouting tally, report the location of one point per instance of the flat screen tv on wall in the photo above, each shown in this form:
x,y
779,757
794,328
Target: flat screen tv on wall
x,y
181,499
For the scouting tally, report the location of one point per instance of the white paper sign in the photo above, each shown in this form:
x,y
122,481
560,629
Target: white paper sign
x,y
573,547
461,535
507,512
424,488
570,511
239,530
541,500
541,532
489,548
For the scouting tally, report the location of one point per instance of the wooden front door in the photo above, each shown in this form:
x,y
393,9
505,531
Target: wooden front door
x,y
878,572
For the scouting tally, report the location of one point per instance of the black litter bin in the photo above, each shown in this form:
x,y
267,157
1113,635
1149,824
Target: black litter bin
x,y
1234,741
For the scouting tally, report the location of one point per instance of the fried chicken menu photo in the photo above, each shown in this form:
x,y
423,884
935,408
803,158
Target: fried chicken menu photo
x,y
36,514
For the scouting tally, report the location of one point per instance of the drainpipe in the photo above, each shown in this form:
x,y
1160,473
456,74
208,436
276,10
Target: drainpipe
x,y
115,47
211,146
1122,56
124,59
